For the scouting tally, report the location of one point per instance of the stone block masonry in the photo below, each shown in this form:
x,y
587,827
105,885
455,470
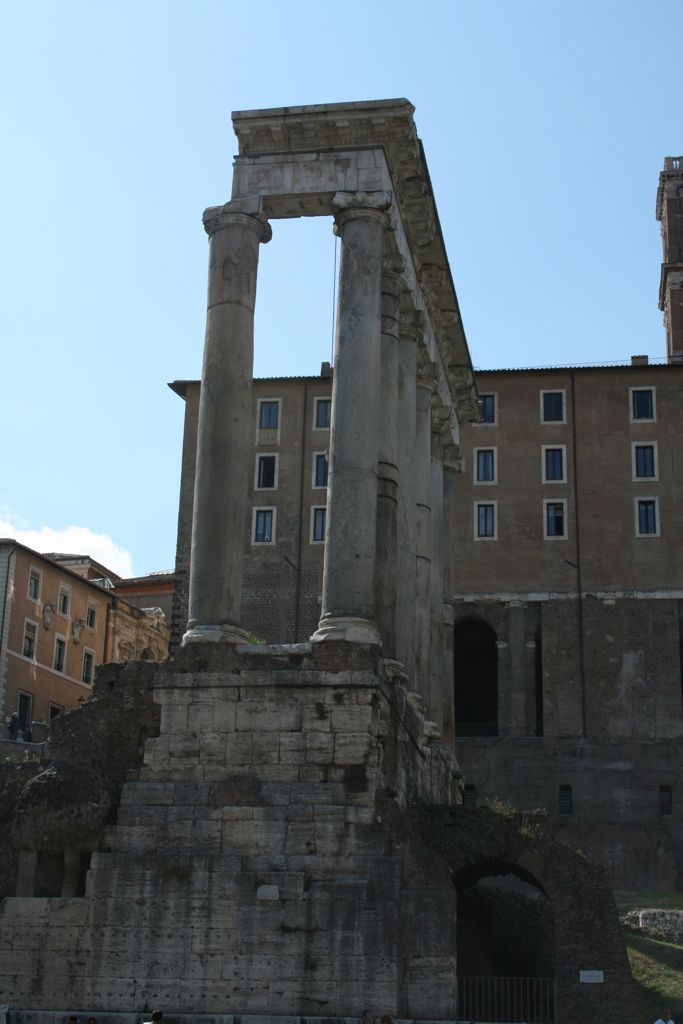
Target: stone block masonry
x,y
250,868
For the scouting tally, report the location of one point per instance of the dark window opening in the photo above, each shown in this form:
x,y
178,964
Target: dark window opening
x,y
665,800
643,404
25,710
263,526
266,471
554,519
647,517
268,415
469,795
554,464
645,460
60,655
29,649
475,658
565,803
485,465
553,407
321,470
487,408
322,413
486,521
319,524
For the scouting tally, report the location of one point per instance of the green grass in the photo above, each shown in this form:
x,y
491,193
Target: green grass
x,y
627,901
656,966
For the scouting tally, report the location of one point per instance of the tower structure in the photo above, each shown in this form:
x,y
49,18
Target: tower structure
x,y
670,216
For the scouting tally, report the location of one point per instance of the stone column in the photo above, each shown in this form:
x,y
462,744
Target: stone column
x,y
387,471
411,330
27,870
515,723
436,666
348,600
426,387
71,879
503,685
225,422
452,465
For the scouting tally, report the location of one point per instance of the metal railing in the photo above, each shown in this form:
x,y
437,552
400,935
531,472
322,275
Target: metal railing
x,y
506,1000
476,729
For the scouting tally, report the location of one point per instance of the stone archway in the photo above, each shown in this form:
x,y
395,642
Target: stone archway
x,y
506,945
592,972
475,670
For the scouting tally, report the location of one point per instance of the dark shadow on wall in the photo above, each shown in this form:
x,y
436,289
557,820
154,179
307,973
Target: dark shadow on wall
x,y
475,658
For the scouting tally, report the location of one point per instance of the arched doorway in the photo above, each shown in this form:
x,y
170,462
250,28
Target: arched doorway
x,y
475,671
506,946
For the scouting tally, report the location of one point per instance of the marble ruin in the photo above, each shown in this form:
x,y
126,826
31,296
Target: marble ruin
x,y
282,835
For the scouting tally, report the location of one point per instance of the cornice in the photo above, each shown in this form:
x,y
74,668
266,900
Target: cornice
x,y
386,125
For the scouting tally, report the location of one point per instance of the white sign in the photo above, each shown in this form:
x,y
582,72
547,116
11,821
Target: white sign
x,y
591,977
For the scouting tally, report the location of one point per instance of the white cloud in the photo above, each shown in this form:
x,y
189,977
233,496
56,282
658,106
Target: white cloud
x,y
73,540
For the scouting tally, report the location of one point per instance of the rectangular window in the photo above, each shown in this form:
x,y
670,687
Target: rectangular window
x,y
269,414
642,403
665,800
91,616
553,465
487,408
24,710
323,407
552,406
644,462
555,519
88,667
647,520
34,581
266,472
565,800
263,526
486,465
469,795
320,469
30,636
59,660
64,600
485,520
54,710
318,525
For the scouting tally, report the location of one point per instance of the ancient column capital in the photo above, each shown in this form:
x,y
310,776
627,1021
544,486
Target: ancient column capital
x,y
354,205
442,418
248,211
453,457
412,325
427,377
393,267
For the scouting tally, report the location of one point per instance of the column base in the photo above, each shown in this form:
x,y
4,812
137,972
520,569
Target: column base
x,y
224,633
347,628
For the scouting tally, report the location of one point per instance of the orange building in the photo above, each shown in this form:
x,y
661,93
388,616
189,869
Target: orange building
x,y
56,627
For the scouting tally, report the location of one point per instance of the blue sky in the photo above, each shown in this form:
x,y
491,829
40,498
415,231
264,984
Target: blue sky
x,y
545,126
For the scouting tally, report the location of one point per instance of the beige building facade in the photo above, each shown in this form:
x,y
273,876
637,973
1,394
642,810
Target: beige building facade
x,y
57,626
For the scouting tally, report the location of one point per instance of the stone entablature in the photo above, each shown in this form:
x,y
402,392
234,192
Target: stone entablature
x,y
297,158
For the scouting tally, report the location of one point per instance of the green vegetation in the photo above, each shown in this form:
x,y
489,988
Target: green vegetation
x,y
657,966
627,901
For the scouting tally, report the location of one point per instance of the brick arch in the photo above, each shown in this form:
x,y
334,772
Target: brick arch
x,y
477,842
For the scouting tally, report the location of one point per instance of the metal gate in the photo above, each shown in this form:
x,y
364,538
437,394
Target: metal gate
x,y
506,1000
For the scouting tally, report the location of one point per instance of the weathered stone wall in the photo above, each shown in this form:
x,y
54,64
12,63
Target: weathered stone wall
x,y
250,864
616,817
661,924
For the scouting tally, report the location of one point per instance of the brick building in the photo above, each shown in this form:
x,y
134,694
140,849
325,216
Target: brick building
x,y
284,524
56,626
